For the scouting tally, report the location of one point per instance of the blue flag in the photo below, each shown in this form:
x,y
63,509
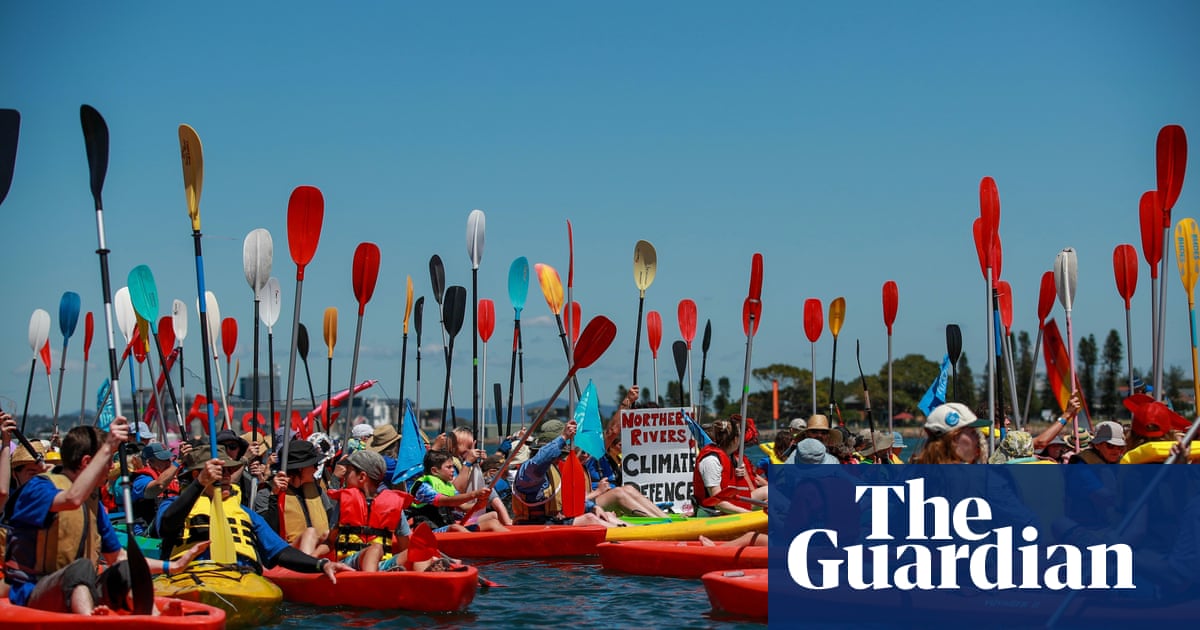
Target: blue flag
x,y
108,411
698,433
590,435
936,395
412,448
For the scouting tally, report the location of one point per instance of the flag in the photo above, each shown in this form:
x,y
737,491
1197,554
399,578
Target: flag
x,y
590,434
412,448
698,433
108,411
936,394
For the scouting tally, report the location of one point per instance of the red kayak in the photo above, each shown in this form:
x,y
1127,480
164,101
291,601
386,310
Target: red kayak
x,y
442,591
668,558
174,613
523,542
739,593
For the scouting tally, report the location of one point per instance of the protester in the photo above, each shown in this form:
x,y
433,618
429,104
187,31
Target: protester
x,y
1051,433
876,448
151,483
720,484
897,447
307,509
1107,445
537,489
811,451
951,437
372,530
1015,448
439,503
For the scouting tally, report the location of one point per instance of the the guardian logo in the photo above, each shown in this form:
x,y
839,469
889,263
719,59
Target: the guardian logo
x,y
931,553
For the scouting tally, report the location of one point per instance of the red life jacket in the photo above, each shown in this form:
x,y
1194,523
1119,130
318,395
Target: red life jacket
x,y
730,489
360,521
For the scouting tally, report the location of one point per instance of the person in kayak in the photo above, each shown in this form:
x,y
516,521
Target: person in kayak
x,y
152,483
184,520
951,436
467,456
720,485
436,501
537,489
307,511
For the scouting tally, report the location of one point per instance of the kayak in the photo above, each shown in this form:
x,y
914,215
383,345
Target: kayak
x,y
1157,452
247,598
524,542
725,527
739,593
173,613
151,547
668,558
442,591
653,520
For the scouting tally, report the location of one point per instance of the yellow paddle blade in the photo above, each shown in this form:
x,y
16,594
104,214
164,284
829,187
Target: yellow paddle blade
x,y
192,155
331,329
645,265
837,315
1187,254
143,327
219,533
551,287
407,302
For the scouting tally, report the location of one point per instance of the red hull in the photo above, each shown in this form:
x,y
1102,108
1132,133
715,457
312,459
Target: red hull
x,y
448,591
175,614
738,593
665,558
523,541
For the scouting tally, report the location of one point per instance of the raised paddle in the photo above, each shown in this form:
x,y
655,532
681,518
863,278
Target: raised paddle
x,y
127,322
568,312
1150,222
751,316
365,271
329,330
476,224
518,290
891,302
45,356
645,266
679,350
89,331
145,339
214,337
1187,257
143,293
1004,291
687,329
258,254
454,306
486,319
39,333
10,130
954,351
437,280
302,347
552,290
408,305
418,311
306,212
271,302
837,315
1066,270
95,140
179,324
229,335
814,324
1125,266
1046,295
867,400
705,342
68,319
593,341
654,336
1170,166
498,402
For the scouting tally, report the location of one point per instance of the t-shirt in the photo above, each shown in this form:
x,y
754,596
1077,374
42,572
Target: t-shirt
x,y
710,472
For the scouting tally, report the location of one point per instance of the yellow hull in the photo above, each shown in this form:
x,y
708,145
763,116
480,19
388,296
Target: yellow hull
x,y
248,599
1157,452
715,527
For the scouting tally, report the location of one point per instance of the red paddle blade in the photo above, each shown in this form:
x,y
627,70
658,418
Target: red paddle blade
x,y
89,331
1171,159
422,544
989,211
228,336
756,273
365,272
166,335
487,319
997,259
687,321
45,354
595,339
814,319
137,345
1125,269
1004,292
1046,296
751,312
980,245
891,301
1152,230
574,321
570,256
654,331
575,485
1058,366
306,211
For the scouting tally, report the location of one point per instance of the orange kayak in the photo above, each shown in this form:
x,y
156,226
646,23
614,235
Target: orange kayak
x,y
523,541
174,613
740,593
668,558
443,591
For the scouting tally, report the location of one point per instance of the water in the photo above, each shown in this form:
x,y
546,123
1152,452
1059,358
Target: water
x,y
545,594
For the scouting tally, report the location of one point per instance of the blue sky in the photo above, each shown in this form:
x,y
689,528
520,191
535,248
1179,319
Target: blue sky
x,y
844,141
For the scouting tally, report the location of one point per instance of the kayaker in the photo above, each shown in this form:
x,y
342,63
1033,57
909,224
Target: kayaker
x,y
239,449
537,489
876,448
185,519
151,483
386,441
1153,421
621,499
1107,445
951,437
436,500
897,447
1054,431
305,512
720,486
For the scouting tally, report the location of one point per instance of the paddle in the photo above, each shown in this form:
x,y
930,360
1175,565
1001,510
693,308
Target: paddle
x,y
687,329
751,316
408,305
867,400
302,349
476,222
837,315
271,302
89,330
1066,270
814,323
1187,257
486,319
891,302
569,313
44,353
179,324
645,266
593,341
329,328
552,290
706,340
142,342
575,479
1046,295
214,336
39,333
1170,166
68,319
518,289
454,306
418,308
1004,291
229,334
954,351
95,140
679,350
306,212
143,293
497,398
1150,222
654,336
1125,269
365,274
258,253
10,129
127,322
987,246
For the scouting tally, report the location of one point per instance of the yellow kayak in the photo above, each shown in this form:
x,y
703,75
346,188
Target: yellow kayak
x,y
1157,452
248,599
725,527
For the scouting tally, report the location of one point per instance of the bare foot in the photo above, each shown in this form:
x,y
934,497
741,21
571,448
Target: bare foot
x,y
101,611
707,542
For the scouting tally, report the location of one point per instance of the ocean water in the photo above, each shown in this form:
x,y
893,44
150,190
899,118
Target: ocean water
x,y
545,594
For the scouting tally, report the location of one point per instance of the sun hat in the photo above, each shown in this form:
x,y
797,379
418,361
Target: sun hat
x,y
1015,445
21,456
882,442
369,462
261,436
811,451
383,437
1109,432
897,440
227,437
818,422
301,454
798,424
362,431
549,430
200,455
951,416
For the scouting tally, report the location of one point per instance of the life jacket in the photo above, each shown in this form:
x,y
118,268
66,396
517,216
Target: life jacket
x,y
730,490
195,528
67,536
302,508
437,517
1087,456
144,510
542,511
364,521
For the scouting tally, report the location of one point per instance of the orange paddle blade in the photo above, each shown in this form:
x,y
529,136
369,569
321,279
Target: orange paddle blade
x,y
551,287
575,486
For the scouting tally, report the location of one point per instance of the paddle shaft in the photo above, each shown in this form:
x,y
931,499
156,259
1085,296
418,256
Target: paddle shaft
x,y
512,375
418,401
162,360
814,378
746,389
83,395
703,365
403,365
477,420
891,426
1195,358
204,342
1037,347
562,335
62,369
216,359
270,385
1012,379
328,390
291,386
346,419
637,340
991,365
832,376
1162,323
28,392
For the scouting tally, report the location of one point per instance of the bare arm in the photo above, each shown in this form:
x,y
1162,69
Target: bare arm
x,y
7,426
1043,439
96,470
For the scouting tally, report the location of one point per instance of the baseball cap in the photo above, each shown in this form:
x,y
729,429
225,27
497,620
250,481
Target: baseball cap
x,y
951,416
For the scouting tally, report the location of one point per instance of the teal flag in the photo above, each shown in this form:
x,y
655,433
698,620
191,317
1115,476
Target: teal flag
x,y
104,402
590,436
412,448
936,394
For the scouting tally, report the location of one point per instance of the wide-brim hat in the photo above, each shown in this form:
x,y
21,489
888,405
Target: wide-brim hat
x,y
384,436
261,436
818,421
301,454
201,453
549,430
877,442
21,456
226,436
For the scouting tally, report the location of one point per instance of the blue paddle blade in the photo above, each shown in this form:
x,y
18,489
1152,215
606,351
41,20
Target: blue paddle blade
x,y
144,295
518,283
68,314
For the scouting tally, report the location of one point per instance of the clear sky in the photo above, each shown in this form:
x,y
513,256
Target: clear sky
x,y
844,141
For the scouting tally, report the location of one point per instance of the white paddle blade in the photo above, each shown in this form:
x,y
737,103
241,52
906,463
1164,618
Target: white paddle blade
x,y
476,222
214,319
39,330
179,320
1066,268
271,298
257,253
126,316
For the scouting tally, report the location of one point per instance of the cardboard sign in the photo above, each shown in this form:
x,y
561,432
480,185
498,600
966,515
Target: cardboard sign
x,y
657,454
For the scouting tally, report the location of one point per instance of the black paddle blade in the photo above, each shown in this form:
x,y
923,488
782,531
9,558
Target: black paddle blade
x,y
10,128
497,394
953,343
95,141
418,308
139,577
707,336
437,276
679,349
454,307
302,343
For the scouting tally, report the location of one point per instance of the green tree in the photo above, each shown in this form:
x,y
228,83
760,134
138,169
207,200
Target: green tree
x,y
963,390
911,376
1086,358
1110,379
1025,368
721,401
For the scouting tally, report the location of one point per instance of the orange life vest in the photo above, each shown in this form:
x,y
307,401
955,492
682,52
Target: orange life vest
x,y
730,489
